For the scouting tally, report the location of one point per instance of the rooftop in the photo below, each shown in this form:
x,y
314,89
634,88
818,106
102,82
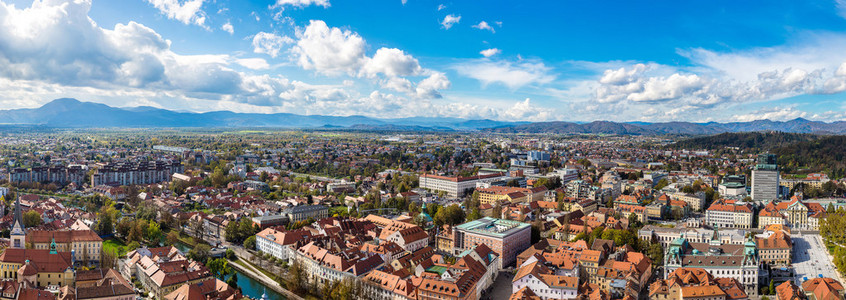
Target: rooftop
x,y
493,227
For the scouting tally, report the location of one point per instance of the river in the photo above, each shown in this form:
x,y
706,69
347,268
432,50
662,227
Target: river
x,y
249,287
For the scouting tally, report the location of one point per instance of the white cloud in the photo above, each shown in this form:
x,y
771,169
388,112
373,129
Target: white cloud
x,y
512,74
269,43
428,88
187,12
329,50
441,7
302,3
228,28
490,52
524,111
450,20
773,113
484,26
391,62
253,63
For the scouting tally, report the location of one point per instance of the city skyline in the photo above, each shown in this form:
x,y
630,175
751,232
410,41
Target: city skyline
x,y
541,61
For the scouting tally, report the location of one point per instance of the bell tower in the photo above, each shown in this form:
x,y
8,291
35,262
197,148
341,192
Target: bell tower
x,y
18,235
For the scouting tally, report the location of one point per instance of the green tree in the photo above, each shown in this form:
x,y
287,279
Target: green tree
x,y
32,218
154,232
200,252
250,243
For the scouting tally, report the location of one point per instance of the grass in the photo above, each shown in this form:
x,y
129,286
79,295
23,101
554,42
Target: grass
x,y
115,246
340,210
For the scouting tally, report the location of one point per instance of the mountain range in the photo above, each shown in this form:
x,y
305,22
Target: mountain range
x,y
72,113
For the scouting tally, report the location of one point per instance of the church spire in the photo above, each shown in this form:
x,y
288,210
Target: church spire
x,y
18,215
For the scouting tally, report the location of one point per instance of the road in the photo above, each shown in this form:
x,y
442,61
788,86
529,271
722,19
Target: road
x,y
810,258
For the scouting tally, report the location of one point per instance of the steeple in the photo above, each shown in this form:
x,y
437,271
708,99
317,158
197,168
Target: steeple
x,y
53,247
18,215
18,234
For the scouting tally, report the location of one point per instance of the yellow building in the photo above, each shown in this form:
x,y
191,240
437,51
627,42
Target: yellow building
x,y
43,267
85,245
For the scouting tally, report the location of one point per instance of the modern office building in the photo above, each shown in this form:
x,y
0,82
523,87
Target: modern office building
x,y
765,179
505,237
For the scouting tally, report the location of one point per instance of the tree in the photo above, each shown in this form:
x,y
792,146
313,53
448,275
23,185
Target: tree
x,y
200,252
172,238
250,243
451,215
32,219
655,253
154,232
230,254
297,278
233,281
219,267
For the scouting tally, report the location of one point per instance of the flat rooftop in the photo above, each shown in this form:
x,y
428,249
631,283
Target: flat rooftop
x,y
493,227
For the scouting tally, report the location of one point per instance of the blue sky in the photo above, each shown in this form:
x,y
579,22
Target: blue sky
x,y
506,60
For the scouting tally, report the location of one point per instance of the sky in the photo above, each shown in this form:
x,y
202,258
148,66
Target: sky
x,y
651,61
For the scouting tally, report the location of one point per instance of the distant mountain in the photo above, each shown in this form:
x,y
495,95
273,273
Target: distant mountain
x,y
72,113
684,128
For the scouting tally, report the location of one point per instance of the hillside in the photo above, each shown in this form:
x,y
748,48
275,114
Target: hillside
x,y
763,141
826,154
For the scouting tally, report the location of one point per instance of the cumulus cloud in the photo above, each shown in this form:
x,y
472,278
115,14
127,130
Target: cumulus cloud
x,y
329,50
450,20
490,52
511,74
334,51
391,62
484,26
771,113
187,12
525,111
269,43
228,28
441,7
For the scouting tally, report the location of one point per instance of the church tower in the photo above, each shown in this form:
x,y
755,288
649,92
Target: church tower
x,y
18,234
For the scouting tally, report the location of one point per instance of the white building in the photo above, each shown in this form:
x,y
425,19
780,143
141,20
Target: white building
x,y
455,187
543,282
729,215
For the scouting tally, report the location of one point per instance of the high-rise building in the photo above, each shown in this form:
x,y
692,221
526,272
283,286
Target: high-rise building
x,y
765,179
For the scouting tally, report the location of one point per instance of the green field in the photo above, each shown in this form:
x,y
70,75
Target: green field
x,y
115,246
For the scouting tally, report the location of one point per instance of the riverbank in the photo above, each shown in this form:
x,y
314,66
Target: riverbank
x,y
257,275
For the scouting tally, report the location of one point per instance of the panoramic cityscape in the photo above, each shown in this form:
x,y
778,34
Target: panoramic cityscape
x,y
422,150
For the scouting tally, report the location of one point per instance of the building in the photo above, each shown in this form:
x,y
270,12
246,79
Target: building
x,y
506,238
543,281
769,215
537,156
813,180
776,249
740,262
60,175
455,187
85,245
696,201
789,291
765,179
211,289
729,214
665,236
41,268
98,284
696,284
304,212
503,194
133,173
823,289
277,243
270,220
733,186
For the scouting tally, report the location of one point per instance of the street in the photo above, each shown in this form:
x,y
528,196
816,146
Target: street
x,y
811,259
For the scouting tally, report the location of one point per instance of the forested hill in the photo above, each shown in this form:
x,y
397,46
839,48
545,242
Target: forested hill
x,y
763,141
826,155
